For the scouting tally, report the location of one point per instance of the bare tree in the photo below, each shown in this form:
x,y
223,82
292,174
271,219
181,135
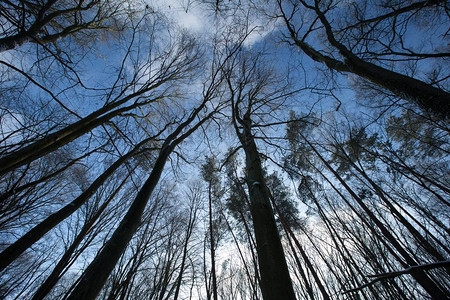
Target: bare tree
x,y
47,21
361,47
247,83
98,271
172,67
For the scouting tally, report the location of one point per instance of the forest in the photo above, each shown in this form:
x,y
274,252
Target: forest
x,y
228,149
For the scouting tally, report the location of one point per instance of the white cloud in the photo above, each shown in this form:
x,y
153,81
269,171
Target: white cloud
x,y
200,20
191,18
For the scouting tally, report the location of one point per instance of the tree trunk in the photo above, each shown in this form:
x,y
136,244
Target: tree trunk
x,y
275,280
53,278
423,95
11,42
95,275
189,230
62,137
308,286
212,244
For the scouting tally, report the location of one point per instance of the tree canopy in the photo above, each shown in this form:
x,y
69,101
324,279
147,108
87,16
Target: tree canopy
x,y
293,149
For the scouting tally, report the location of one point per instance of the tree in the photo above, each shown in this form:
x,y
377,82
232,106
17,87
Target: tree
x,y
47,21
70,255
435,290
100,268
158,159
363,44
172,67
26,241
215,193
248,87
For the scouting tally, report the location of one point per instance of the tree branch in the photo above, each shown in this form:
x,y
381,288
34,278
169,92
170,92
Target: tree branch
x,y
409,270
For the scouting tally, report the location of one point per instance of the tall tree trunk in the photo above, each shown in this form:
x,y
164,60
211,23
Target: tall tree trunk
x,y
241,255
16,188
189,230
308,286
94,277
212,245
341,247
98,271
426,245
389,202
306,259
275,280
423,95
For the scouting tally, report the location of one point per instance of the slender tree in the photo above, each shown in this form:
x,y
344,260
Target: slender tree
x,y
275,278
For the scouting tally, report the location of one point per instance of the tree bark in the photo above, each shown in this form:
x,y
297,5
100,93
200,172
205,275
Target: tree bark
x,y
305,258
189,230
427,97
424,95
212,245
94,277
53,278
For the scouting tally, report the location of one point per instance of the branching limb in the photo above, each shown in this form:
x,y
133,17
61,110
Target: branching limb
x,y
409,270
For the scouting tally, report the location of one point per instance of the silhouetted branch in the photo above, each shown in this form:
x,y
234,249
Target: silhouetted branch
x,y
379,277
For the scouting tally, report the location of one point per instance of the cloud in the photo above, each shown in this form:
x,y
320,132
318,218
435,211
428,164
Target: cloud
x,y
201,21
190,18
